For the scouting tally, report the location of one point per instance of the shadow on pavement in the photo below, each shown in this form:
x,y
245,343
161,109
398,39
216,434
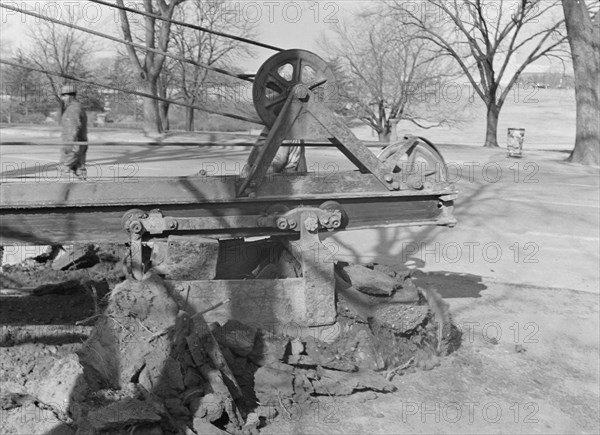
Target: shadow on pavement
x,y
451,285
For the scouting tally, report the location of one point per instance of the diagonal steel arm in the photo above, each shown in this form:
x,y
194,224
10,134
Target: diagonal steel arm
x,y
259,167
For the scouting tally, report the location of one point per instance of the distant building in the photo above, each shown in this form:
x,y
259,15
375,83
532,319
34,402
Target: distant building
x,y
546,76
542,75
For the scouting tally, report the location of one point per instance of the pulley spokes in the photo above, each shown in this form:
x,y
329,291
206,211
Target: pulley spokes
x,y
419,163
280,73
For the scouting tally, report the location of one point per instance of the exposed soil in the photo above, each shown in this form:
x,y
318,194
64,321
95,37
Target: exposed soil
x,y
87,352
99,354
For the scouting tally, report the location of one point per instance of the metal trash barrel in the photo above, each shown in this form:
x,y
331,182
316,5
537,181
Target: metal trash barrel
x,y
514,142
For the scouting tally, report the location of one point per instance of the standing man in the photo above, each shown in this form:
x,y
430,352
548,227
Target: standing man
x,y
74,129
288,159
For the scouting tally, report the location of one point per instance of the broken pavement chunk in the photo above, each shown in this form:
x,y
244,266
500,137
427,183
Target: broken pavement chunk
x,y
336,383
400,318
236,336
75,256
369,281
407,293
334,364
126,412
274,381
325,355
207,408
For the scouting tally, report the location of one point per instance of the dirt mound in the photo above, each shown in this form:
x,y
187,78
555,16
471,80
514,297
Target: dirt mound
x,y
152,365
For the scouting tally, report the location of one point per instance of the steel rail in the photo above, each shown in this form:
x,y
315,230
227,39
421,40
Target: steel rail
x,y
132,44
191,26
139,94
59,211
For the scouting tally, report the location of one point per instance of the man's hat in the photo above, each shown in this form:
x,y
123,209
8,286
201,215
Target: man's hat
x,y
68,89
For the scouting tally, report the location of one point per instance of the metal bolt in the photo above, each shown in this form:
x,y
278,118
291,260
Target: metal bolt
x,y
395,185
282,223
415,183
389,178
292,224
301,92
135,227
173,225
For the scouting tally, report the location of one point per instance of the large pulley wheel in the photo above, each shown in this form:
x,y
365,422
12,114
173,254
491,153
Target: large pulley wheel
x,y
277,77
420,164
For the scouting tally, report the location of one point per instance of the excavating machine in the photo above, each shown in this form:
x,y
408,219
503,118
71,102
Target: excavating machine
x,y
182,227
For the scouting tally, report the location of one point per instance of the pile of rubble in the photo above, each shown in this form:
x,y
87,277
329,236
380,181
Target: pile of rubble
x,y
151,366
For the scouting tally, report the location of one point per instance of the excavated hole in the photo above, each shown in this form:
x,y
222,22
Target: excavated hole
x,y
149,365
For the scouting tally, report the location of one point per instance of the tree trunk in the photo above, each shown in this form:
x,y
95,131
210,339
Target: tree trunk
x,y
61,109
584,35
393,129
384,136
491,135
152,124
189,119
389,134
163,106
164,115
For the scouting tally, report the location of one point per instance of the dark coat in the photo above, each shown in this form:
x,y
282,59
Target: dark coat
x,y
74,123
74,129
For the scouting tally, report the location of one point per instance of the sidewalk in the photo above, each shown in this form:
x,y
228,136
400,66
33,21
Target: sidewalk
x,y
531,221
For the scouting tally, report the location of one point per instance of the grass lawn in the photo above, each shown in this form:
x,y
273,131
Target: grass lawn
x,y
548,115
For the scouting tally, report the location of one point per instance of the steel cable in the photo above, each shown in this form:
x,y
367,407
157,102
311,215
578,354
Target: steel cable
x,y
191,26
140,94
132,44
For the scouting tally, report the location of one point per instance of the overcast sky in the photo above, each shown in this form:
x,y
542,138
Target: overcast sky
x,y
286,24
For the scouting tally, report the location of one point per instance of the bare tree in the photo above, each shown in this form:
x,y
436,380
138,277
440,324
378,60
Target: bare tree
x,y
206,48
148,65
116,71
18,85
385,75
583,30
483,37
166,90
59,49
